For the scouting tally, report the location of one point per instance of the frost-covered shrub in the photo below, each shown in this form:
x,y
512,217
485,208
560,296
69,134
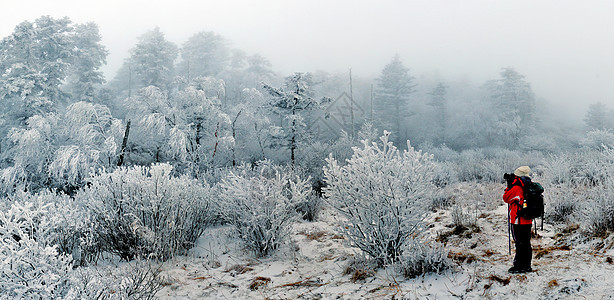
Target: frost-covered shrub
x,y
311,207
55,219
30,269
485,164
146,212
384,195
598,139
562,204
463,217
598,211
558,168
421,258
445,174
261,204
133,280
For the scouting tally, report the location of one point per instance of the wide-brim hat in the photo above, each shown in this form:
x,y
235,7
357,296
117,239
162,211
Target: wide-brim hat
x,y
522,171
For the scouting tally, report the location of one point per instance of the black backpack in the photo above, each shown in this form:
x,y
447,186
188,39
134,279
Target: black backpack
x,y
534,200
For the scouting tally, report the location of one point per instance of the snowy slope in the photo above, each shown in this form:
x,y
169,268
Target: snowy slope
x,y
312,266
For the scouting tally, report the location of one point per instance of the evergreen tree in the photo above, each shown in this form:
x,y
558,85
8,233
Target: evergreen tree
x,y
34,61
392,98
152,61
203,54
90,55
439,102
291,102
513,108
597,116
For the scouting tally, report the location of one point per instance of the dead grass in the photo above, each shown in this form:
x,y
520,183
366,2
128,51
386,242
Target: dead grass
x,y
458,230
314,236
501,280
462,257
307,282
541,252
337,237
239,269
567,231
259,282
489,253
361,274
553,283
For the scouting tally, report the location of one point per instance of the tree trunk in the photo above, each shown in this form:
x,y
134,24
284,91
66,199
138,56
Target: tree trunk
x,y
293,139
120,161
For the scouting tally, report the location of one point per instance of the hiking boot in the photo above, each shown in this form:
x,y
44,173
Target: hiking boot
x,y
514,270
526,270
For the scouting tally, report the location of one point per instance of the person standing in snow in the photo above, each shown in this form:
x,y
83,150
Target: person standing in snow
x,y
520,227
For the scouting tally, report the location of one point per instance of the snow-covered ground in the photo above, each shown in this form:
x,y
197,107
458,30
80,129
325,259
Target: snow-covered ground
x,y
313,264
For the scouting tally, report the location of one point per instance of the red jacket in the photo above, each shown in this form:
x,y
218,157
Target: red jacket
x,y
514,197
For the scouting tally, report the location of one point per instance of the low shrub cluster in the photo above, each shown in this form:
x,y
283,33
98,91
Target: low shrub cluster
x,y
261,204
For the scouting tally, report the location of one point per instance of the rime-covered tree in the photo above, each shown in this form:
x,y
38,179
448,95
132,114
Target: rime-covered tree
x,y
291,102
32,147
439,103
90,55
152,61
90,142
513,107
259,67
187,128
597,116
204,54
34,61
391,105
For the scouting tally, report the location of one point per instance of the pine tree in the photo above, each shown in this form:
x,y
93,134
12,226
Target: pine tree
x,y
394,87
152,60
439,102
513,106
203,54
34,61
90,55
291,102
597,116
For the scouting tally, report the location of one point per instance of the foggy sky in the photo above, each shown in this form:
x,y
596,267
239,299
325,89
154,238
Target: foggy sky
x,y
564,48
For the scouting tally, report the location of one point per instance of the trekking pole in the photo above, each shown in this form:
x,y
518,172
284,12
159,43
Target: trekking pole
x,y
542,221
509,228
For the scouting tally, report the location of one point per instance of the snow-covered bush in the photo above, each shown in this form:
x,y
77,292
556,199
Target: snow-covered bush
x,y
54,219
30,269
146,212
561,203
261,204
463,217
31,148
311,207
482,165
598,211
598,139
421,258
384,195
133,280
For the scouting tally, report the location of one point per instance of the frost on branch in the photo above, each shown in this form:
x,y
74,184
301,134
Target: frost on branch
x,y
261,204
384,195
30,269
147,212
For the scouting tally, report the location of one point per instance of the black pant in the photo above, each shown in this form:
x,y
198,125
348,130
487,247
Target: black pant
x,y
522,237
